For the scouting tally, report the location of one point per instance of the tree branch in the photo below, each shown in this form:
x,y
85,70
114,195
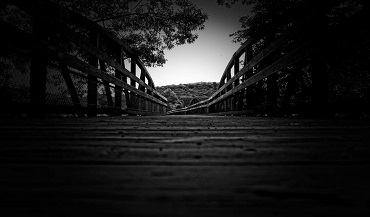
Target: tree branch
x,y
122,15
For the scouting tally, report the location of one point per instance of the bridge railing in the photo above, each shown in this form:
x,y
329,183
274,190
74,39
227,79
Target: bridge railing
x,y
280,71
71,65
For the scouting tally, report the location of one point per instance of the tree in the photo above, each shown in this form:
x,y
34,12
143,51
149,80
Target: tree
x,y
280,12
173,100
148,26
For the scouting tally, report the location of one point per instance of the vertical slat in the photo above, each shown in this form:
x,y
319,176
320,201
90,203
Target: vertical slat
x,y
108,93
142,77
124,78
150,83
132,99
237,98
272,87
247,58
236,69
228,77
291,86
92,85
133,69
118,75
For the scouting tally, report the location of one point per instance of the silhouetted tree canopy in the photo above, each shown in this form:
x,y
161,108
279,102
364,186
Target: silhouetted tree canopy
x,y
279,12
146,25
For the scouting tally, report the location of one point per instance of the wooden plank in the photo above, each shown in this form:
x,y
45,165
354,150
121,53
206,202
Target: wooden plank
x,y
142,77
117,52
108,93
92,83
302,52
185,166
133,70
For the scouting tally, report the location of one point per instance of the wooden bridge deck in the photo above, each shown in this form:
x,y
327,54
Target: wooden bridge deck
x,y
184,166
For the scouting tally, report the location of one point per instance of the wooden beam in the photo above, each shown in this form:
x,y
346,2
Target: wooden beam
x,y
117,52
108,93
92,84
142,77
133,69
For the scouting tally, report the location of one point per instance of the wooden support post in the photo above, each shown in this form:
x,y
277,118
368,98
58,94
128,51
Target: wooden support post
x,y
236,69
272,86
124,79
133,69
249,91
131,104
92,85
228,77
142,77
118,75
38,73
108,93
238,100
290,89
150,83
270,95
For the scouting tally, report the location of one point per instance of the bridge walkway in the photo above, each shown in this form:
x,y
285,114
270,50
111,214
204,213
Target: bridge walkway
x,y
185,166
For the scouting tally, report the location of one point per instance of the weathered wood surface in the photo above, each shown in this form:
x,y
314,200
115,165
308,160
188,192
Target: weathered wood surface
x,y
184,166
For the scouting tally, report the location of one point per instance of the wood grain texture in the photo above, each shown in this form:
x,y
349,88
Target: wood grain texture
x,y
184,166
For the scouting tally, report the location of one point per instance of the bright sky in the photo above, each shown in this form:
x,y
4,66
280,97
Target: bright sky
x,y
206,58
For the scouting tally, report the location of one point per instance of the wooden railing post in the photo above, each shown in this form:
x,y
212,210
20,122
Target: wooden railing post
x,y
142,77
238,101
118,75
92,85
272,86
38,72
247,58
133,69
132,102
108,92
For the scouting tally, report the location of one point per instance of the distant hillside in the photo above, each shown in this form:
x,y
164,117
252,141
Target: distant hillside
x,y
183,95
